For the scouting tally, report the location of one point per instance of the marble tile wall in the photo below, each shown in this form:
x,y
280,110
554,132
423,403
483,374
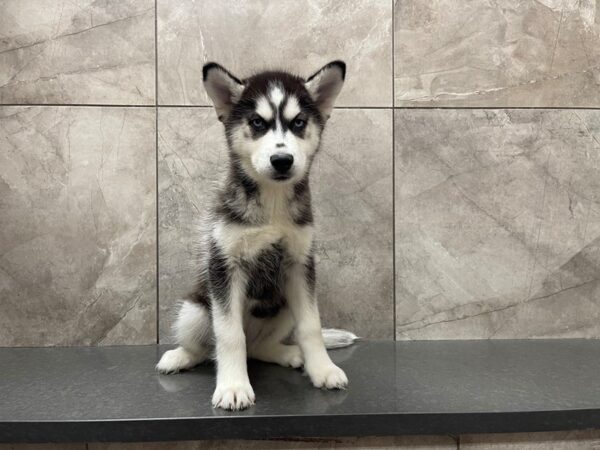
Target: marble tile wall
x,y
77,226
497,223
300,36
83,51
503,54
464,153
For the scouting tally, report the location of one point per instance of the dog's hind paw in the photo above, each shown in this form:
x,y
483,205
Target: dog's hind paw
x,y
234,397
329,376
292,357
173,361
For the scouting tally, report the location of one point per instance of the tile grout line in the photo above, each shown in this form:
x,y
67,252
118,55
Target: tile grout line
x,y
557,108
117,105
156,106
156,162
393,171
78,105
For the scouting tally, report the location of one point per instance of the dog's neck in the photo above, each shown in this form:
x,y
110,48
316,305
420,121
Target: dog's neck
x,y
245,201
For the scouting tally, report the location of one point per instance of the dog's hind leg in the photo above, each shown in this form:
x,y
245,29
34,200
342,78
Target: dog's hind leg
x,y
268,345
192,331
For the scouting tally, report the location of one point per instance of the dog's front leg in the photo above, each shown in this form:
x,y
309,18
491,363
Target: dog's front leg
x,y
233,389
319,367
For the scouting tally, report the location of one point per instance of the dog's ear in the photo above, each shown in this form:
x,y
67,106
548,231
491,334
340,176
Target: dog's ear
x,y
325,85
223,88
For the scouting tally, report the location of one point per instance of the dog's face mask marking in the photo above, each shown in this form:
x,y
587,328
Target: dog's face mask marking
x,y
274,120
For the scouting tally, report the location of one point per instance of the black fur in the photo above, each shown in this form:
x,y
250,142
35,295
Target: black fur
x,y
303,214
219,275
234,198
339,64
211,65
266,281
310,272
200,294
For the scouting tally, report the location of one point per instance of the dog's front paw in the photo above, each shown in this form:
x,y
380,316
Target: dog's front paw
x,y
328,376
233,397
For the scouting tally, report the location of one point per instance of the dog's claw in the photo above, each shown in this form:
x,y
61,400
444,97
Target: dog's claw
x,y
329,377
233,397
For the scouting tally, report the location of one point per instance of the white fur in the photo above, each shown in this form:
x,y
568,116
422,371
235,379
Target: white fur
x,y
192,326
263,109
245,242
276,95
319,367
256,154
178,359
233,389
292,108
335,338
192,330
265,340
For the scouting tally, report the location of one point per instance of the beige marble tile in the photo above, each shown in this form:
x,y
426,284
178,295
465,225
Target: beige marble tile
x,y
352,195
497,224
513,53
77,226
370,443
564,440
82,51
249,35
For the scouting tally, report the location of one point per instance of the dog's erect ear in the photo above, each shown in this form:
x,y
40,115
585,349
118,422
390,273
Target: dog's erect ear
x,y
325,85
223,88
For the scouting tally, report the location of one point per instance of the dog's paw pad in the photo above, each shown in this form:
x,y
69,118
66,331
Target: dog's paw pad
x,y
329,377
233,397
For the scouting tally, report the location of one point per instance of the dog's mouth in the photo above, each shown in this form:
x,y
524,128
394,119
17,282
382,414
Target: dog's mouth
x,y
281,176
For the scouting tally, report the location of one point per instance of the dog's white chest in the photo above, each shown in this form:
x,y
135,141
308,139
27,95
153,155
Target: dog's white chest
x,y
245,242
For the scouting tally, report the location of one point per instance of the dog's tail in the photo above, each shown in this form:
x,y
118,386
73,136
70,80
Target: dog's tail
x,y
335,338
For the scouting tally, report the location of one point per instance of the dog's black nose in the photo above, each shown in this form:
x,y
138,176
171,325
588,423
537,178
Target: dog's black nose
x,y
282,162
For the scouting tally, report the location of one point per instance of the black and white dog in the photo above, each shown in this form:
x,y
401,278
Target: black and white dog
x,y
255,292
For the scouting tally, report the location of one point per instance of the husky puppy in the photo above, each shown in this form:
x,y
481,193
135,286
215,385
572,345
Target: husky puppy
x,y
255,292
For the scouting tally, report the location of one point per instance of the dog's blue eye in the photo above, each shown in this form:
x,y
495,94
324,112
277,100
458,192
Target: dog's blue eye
x,y
257,123
299,123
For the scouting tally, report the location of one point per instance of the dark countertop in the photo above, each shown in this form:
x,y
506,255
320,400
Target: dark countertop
x,y
420,387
